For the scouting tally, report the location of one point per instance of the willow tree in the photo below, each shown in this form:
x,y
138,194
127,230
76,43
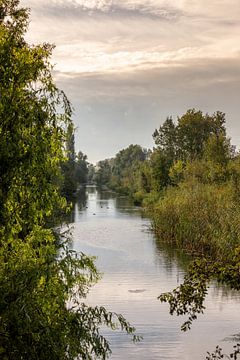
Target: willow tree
x,y
42,282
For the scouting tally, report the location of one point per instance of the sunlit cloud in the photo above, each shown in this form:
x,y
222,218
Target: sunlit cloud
x,y
130,60
99,61
89,42
127,61
202,7
150,7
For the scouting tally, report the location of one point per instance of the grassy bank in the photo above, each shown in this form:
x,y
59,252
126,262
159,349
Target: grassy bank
x,y
199,218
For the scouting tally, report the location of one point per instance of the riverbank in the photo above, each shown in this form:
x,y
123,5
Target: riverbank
x,y
202,219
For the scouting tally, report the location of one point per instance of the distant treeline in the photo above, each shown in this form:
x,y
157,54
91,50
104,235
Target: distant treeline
x,y
76,170
195,147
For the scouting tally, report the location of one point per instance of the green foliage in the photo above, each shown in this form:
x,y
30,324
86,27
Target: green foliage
x,y
195,136
176,172
218,354
199,210
151,199
68,165
160,165
145,177
201,218
194,130
74,167
206,172
81,168
90,173
187,138
121,172
217,149
166,139
31,130
138,197
103,172
36,322
126,165
42,281
127,158
189,297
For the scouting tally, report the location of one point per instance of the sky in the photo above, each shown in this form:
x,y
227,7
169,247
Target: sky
x,y
128,64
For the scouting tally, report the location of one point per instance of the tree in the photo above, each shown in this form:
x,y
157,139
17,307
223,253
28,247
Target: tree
x,y
91,173
120,172
217,149
160,164
42,282
103,172
193,131
186,139
81,168
166,139
125,166
69,186
194,137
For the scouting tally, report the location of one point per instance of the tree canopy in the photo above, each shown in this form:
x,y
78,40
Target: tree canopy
x,y
186,139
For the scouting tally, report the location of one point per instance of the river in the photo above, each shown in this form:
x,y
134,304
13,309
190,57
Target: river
x,y
136,268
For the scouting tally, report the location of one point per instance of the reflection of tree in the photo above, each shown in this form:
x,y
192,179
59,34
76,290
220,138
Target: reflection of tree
x,y
81,198
224,292
80,201
218,354
69,217
170,256
105,194
91,189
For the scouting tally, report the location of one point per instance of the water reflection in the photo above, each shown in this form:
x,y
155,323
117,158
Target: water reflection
x,y
171,258
137,268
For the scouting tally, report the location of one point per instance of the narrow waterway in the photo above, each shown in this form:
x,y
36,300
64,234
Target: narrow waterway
x,y
136,269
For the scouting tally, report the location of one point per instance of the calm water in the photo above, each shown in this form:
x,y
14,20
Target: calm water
x,y
136,269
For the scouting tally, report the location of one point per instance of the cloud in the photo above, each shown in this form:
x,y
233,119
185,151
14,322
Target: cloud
x,y
126,108
127,64
93,7
168,9
192,76
90,42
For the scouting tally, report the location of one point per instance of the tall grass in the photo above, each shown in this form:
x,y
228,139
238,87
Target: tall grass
x,y
200,218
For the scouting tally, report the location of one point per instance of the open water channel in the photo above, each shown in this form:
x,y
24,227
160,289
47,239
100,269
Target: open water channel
x,y
136,268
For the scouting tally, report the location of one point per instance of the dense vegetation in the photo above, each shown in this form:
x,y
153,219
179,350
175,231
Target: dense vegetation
x,y
76,171
120,172
190,185
42,282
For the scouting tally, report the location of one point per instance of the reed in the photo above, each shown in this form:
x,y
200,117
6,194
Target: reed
x,y
199,218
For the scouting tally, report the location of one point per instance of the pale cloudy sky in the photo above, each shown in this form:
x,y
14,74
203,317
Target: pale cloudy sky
x,y
128,64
